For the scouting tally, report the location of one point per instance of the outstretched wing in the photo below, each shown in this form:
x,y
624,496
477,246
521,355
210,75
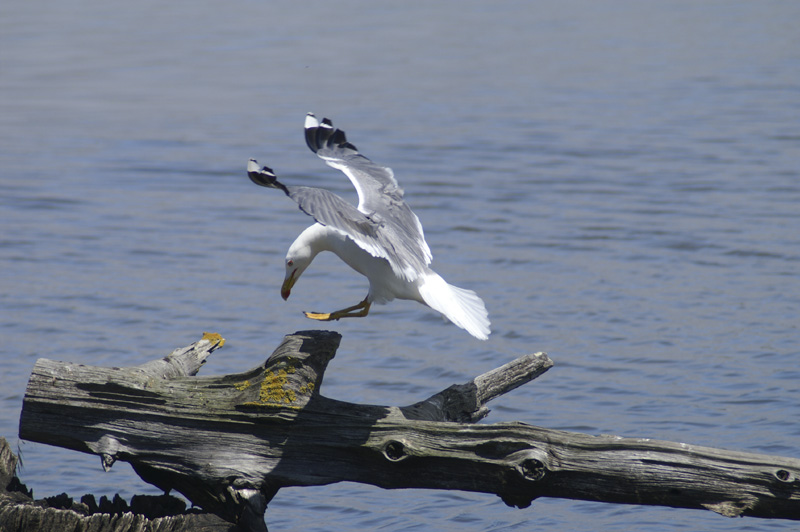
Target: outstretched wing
x,y
331,210
379,195
375,184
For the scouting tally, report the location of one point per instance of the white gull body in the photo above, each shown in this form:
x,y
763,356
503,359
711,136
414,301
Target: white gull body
x,y
381,239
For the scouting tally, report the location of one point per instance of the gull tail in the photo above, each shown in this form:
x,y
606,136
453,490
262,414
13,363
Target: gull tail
x,y
463,307
264,176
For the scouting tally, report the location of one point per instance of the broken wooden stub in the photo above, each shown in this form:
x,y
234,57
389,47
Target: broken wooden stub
x,y
229,443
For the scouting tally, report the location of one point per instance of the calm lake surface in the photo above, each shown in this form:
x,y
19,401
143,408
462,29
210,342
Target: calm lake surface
x,y
619,181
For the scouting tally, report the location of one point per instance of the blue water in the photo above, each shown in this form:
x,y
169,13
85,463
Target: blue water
x,y
620,182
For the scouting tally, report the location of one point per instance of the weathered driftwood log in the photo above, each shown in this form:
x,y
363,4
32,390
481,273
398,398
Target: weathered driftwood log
x,y
164,513
230,443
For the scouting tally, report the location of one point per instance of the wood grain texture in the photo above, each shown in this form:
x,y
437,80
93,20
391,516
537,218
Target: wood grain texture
x,y
229,443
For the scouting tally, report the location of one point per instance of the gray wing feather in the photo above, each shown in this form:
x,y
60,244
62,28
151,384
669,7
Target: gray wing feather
x,y
399,231
372,234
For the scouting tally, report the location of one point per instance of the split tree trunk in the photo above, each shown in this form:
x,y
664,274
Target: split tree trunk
x,y
230,443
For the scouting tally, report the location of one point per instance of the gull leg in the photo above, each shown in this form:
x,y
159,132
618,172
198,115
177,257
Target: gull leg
x,y
356,311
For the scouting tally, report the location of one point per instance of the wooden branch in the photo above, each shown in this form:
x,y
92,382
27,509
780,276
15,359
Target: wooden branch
x,y
230,443
465,403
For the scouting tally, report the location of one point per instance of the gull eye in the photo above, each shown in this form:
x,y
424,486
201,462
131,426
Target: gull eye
x,y
290,263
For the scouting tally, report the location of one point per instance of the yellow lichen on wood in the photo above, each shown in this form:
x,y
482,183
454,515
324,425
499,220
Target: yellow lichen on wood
x,y
213,338
242,385
273,388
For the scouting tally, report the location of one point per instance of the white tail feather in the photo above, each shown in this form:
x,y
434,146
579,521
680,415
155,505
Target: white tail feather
x,y
463,307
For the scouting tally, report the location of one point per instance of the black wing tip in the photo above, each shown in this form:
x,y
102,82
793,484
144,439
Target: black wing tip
x,y
320,135
263,176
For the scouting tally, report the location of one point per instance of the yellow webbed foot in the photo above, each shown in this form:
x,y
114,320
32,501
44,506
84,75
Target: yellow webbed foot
x,y
356,311
327,316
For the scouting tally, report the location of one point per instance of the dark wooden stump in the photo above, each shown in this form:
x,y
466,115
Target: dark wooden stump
x,y
19,512
230,443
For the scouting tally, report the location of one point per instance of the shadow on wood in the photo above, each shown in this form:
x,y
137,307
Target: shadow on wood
x,y
230,443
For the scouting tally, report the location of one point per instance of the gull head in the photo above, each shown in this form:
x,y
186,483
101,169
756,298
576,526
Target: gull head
x,y
297,260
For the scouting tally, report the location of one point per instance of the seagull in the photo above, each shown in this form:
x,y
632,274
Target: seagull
x,y
381,238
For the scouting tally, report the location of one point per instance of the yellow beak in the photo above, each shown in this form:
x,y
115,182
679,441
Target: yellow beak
x,y
286,287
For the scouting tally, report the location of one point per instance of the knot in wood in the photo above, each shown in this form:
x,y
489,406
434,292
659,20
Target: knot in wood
x,y
394,451
533,469
784,475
